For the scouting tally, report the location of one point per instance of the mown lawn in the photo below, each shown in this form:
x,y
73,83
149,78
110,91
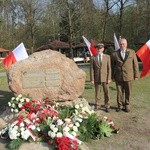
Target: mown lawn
x,y
140,92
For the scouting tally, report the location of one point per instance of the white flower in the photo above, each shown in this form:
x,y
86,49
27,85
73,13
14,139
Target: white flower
x,y
20,105
74,134
66,129
12,134
13,98
80,116
79,119
21,124
105,117
9,104
17,99
18,134
76,112
77,106
57,104
59,134
70,125
32,127
27,99
49,133
77,124
75,129
13,105
81,105
16,111
38,129
12,110
52,126
22,129
67,120
19,95
59,122
25,134
22,100
92,111
52,135
16,127
55,130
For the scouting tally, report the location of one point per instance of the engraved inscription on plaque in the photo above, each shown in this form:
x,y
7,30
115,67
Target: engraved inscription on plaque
x,y
32,79
52,78
41,79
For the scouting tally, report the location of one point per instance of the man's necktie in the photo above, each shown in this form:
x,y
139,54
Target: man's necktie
x,y
100,59
123,53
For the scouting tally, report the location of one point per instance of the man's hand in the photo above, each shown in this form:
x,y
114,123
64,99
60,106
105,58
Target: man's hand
x,y
92,82
108,81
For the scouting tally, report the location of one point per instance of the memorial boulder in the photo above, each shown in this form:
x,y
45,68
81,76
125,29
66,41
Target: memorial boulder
x,y
47,74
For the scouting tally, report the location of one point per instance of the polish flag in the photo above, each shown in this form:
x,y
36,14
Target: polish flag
x,y
19,53
116,43
92,49
144,54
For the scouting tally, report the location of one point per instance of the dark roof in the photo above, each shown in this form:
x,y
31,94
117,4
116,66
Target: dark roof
x,y
80,45
55,45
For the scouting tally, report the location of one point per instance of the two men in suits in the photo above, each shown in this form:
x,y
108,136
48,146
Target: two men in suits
x,y
124,70
100,76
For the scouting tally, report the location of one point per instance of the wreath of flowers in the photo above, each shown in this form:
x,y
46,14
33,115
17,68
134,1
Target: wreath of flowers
x,y
64,127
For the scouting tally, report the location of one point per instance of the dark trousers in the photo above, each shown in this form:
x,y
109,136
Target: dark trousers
x,y
123,93
98,94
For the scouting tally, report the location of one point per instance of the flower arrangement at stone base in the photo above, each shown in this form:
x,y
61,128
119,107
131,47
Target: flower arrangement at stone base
x,y
63,127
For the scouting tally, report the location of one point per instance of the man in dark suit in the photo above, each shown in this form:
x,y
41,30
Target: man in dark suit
x,y
100,75
124,70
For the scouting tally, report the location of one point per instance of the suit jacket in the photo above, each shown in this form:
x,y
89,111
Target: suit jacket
x,y
124,70
100,72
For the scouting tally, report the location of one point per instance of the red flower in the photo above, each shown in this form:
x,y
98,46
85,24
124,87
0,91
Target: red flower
x,y
22,108
20,119
49,142
65,143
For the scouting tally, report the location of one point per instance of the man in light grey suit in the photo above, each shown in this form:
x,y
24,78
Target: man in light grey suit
x,y
124,70
100,75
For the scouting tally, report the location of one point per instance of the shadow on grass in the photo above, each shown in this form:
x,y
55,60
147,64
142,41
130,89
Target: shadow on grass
x,y
102,106
112,88
5,96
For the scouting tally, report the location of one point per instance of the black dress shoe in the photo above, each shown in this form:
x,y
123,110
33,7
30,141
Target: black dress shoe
x,y
97,107
107,110
118,110
127,110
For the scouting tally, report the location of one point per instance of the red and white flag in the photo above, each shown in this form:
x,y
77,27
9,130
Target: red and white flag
x,y
19,53
92,49
116,43
144,54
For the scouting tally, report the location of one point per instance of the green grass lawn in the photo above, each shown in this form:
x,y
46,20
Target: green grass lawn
x,y
2,69
140,91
